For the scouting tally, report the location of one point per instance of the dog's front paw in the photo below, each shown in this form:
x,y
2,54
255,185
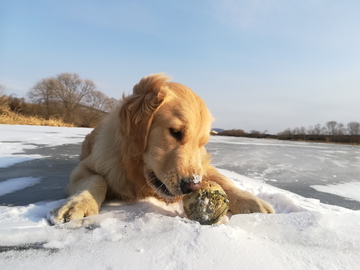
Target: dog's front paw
x,y
242,202
78,206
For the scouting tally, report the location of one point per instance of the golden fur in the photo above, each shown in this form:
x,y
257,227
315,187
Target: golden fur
x,y
152,144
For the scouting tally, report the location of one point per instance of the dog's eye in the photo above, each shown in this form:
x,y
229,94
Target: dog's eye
x,y
176,133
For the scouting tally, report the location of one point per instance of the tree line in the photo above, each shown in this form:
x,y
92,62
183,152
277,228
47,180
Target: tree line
x,y
65,96
332,131
330,128
241,133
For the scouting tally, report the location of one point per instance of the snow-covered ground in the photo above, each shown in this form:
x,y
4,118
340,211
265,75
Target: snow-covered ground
x,y
303,234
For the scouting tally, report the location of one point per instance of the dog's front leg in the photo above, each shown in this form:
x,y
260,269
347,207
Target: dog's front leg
x,y
88,192
240,201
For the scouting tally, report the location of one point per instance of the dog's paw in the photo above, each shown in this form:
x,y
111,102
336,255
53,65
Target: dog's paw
x,y
78,206
245,203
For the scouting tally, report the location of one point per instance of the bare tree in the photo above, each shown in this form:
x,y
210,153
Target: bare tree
x,y
44,92
65,91
255,132
97,100
2,90
296,131
72,91
111,104
324,131
331,127
286,132
3,99
299,131
340,129
353,128
310,130
317,129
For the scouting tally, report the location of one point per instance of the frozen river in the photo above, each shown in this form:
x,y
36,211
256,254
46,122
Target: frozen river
x,y
35,163
328,172
308,169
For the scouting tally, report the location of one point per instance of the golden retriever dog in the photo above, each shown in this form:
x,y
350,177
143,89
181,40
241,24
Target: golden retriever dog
x,y
152,144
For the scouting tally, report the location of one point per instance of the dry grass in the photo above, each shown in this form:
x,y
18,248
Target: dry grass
x,y
15,110
11,118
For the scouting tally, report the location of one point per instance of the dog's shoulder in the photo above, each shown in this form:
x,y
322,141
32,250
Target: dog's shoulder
x,y
102,136
88,144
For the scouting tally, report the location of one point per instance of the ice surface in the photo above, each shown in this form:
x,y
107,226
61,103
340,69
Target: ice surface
x,y
303,234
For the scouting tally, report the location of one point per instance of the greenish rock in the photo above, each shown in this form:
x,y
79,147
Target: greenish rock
x,y
207,205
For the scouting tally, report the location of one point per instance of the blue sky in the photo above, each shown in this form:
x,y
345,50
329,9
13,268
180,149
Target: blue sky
x,y
265,65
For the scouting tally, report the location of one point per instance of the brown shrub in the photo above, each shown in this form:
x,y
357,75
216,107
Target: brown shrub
x,y
233,132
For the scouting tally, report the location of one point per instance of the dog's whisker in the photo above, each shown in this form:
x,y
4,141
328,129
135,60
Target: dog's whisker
x,y
151,179
142,189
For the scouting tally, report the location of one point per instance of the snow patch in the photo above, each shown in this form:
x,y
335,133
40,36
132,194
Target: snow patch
x,y
347,190
15,139
15,184
9,161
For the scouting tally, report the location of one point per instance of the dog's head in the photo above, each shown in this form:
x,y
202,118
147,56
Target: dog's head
x,y
166,126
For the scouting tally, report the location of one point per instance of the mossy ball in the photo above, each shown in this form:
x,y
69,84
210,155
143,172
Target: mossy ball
x,y
207,205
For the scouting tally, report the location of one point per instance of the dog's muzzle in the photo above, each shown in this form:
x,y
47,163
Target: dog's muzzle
x,y
189,185
158,186
186,185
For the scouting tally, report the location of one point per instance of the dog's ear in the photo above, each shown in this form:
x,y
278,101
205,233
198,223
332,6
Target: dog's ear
x,y
137,112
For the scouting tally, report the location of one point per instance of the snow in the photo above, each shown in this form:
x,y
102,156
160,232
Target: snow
x,y
303,234
14,184
348,190
15,139
9,161
9,152
42,134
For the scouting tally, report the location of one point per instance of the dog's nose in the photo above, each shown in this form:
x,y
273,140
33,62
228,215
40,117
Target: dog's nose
x,y
187,186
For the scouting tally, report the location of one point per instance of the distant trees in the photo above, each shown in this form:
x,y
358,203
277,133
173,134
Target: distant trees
x,y
43,92
67,89
3,98
257,132
334,128
99,101
233,132
2,90
330,128
332,131
241,133
353,128
72,91
71,98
